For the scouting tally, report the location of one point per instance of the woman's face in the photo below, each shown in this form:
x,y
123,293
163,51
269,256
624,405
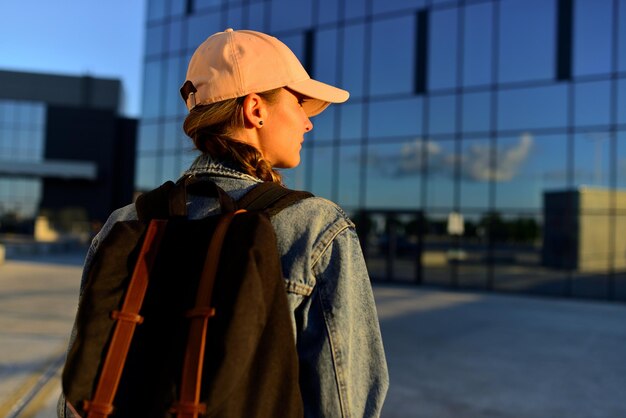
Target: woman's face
x,y
282,134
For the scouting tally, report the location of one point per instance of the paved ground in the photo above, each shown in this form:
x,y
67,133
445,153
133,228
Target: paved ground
x,y
450,354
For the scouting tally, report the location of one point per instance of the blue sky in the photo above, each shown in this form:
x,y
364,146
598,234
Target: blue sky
x,y
76,37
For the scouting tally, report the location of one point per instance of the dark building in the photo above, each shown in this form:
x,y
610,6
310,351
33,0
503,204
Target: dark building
x,y
65,151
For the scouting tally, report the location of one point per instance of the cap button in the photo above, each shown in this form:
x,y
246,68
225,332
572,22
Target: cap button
x,y
229,30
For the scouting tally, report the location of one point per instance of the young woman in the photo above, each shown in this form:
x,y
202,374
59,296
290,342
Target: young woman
x,y
249,102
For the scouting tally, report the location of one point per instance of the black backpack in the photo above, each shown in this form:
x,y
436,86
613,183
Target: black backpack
x,y
164,362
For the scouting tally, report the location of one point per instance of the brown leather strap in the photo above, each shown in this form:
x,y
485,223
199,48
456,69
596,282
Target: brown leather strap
x,y
127,319
189,405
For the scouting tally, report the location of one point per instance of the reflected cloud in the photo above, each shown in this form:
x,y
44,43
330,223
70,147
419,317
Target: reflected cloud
x,y
475,162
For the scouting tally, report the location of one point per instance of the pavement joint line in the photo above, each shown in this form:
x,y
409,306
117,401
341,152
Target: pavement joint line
x,y
35,407
27,391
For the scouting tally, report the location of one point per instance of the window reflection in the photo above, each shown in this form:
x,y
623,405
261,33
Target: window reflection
x,y
592,103
154,40
351,121
353,56
355,8
393,5
476,112
324,125
527,29
442,114
349,176
475,165
394,171
392,66
283,12
592,36
325,56
152,89
477,44
517,182
328,11
543,107
395,118
201,27
322,161
146,173
592,159
442,61
441,166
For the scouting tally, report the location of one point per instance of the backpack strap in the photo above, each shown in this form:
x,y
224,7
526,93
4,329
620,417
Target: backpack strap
x,y
189,405
127,318
271,197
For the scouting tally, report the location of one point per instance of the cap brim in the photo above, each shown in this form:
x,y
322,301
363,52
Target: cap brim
x,y
318,95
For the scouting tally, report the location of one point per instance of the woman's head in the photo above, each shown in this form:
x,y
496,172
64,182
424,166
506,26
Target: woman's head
x,y
248,88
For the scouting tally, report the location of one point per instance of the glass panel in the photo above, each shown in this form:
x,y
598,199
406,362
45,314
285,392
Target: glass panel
x,y
353,56
442,114
172,136
156,10
170,167
516,187
395,118
201,27
283,12
174,104
476,112
392,67
175,36
256,16
621,101
154,40
351,121
234,18
592,36
328,11
296,44
324,125
592,160
545,169
322,163
179,8
441,166
152,89
206,4
355,8
527,29
543,107
393,5
393,175
621,165
442,63
475,160
349,176
477,38
325,59
436,270
593,103
145,175
148,139
622,36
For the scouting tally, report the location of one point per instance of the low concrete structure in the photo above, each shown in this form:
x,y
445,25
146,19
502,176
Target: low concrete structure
x,y
585,230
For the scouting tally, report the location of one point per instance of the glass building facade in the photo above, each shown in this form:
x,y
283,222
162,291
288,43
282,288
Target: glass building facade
x,y
22,132
465,118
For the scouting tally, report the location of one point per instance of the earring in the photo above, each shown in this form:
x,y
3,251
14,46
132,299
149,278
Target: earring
x,y
261,122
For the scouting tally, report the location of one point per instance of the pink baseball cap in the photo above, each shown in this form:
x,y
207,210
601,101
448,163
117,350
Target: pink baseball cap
x,y
233,64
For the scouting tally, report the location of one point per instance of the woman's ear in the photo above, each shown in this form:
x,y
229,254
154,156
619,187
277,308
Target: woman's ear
x,y
254,111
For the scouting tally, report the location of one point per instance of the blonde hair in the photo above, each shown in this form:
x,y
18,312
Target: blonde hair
x,y
210,126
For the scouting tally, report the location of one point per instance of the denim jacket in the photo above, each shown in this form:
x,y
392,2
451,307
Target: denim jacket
x,y
343,371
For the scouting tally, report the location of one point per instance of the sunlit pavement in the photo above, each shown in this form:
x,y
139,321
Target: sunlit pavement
x,y
450,354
